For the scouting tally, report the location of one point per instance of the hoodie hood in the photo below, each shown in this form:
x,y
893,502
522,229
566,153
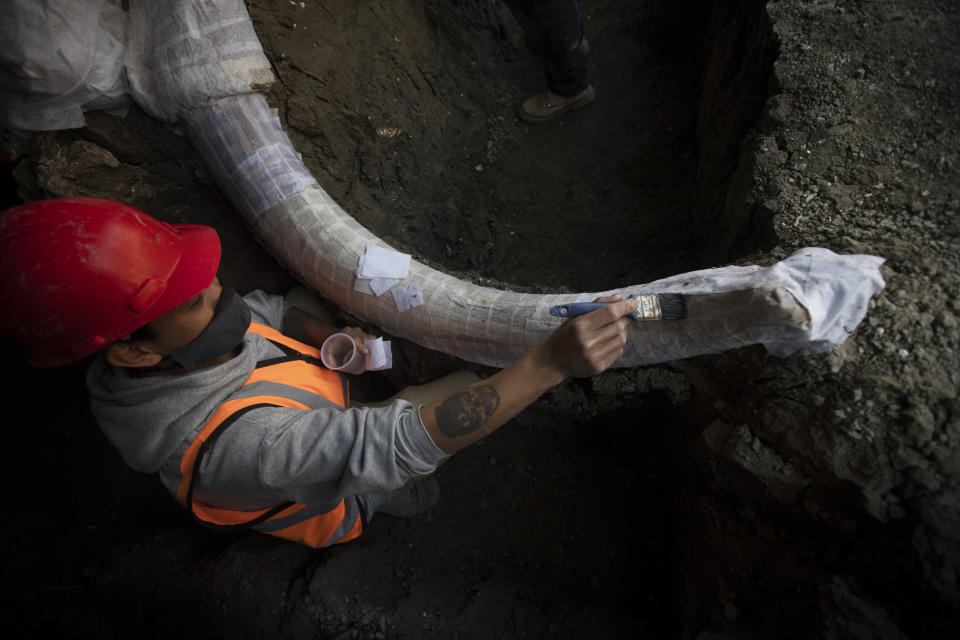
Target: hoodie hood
x,y
147,418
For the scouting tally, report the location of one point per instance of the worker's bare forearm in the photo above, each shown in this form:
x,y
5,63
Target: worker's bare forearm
x,y
302,326
583,346
476,411
307,328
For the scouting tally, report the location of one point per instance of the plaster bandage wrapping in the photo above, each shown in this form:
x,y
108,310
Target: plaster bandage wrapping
x,y
808,303
185,53
245,148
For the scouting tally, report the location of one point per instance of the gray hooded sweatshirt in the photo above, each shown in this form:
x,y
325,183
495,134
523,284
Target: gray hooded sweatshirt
x,y
271,454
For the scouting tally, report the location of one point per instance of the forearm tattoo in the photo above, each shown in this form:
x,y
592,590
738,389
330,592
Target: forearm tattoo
x,y
466,411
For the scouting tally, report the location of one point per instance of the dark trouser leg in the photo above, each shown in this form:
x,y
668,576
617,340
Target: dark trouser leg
x,y
555,28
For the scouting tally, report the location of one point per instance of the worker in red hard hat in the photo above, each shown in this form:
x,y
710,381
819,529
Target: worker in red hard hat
x,y
82,272
226,396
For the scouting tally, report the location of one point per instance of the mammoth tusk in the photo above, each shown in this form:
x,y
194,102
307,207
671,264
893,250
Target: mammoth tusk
x,y
195,65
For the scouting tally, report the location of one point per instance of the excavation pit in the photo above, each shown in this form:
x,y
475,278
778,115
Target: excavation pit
x,y
415,134
707,498
562,524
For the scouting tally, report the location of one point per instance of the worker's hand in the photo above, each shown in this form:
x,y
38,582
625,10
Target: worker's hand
x,y
589,344
359,336
581,346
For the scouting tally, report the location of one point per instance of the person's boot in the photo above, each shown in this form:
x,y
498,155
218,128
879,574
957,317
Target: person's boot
x,y
547,105
413,498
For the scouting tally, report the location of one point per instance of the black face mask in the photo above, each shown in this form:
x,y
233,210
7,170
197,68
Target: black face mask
x,y
231,318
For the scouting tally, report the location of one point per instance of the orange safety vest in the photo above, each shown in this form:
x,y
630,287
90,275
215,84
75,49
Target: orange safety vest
x,y
299,368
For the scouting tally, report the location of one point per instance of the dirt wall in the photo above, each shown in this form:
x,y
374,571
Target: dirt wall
x,y
738,79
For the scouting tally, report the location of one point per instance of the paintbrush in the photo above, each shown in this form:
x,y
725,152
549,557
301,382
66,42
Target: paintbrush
x,y
650,306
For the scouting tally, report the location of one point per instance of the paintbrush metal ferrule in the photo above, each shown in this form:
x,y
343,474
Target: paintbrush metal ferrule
x,y
648,307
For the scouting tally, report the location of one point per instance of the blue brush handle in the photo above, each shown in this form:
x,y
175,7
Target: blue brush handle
x,y
575,309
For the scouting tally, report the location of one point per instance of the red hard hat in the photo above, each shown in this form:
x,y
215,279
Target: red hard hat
x,y
78,273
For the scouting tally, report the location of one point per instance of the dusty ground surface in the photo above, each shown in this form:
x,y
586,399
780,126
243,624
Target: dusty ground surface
x,y
728,496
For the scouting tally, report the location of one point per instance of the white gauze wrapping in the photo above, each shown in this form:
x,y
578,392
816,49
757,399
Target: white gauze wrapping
x,y
808,303
184,53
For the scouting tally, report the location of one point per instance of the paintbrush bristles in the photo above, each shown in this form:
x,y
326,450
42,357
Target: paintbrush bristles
x,y
665,306
673,306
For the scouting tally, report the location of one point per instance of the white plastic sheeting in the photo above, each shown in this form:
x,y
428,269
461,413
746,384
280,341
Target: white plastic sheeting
x,y
198,63
60,58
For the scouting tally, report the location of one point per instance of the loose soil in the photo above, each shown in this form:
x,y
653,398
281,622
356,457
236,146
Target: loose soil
x,y
728,496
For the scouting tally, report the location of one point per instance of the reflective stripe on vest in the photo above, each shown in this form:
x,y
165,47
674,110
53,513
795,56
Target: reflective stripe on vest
x,y
298,380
